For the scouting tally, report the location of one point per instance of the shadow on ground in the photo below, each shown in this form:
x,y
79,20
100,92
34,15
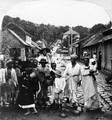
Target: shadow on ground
x,y
18,114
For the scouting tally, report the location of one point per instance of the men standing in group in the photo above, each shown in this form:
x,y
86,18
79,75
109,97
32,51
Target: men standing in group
x,y
42,73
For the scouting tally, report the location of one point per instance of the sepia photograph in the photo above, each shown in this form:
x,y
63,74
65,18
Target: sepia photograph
x,y
55,59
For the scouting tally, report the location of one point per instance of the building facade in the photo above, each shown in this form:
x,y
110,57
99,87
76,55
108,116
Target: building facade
x,y
101,44
17,43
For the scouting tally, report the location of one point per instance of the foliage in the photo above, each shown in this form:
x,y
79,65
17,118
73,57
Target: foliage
x,y
99,28
49,32
83,31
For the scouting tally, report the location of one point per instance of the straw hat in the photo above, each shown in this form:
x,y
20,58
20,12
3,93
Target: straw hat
x,y
43,61
74,56
9,61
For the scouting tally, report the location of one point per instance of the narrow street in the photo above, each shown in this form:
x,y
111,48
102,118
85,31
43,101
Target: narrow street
x,y
38,40
7,114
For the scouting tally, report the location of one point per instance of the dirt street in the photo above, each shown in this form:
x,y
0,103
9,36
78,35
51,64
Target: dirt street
x,y
11,114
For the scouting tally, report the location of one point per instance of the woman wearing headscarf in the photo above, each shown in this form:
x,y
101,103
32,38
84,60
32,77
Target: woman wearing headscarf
x,y
26,92
93,102
89,87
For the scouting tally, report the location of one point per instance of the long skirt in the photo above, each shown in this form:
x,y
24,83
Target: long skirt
x,y
25,98
89,86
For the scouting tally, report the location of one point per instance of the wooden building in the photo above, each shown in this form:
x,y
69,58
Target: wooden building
x,y
17,43
101,44
107,50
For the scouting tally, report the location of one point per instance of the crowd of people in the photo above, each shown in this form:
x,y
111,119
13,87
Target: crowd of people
x,y
40,82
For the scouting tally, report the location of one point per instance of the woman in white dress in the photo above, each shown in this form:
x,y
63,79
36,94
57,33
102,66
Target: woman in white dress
x,y
89,86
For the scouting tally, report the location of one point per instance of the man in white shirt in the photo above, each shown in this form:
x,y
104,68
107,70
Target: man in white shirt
x,y
72,75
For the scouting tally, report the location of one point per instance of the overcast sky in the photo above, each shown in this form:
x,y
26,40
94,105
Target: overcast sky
x,y
56,12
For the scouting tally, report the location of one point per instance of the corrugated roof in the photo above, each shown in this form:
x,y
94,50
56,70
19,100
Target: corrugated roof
x,y
108,37
107,32
85,40
93,40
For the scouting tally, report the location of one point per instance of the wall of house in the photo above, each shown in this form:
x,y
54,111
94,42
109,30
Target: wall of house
x,y
10,41
107,55
91,49
0,39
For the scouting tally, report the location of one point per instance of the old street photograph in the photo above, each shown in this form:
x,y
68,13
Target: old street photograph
x,y
55,59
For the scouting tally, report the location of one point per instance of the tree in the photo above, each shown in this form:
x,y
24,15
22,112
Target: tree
x,y
98,28
83,31
7,19
50,32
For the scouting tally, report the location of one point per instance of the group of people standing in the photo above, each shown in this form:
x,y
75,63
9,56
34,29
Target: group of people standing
x,y
83,75
39,82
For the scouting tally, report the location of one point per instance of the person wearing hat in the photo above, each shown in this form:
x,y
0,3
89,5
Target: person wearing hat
x,y
72,75
11,81
42,67
43,55
42,73
25,98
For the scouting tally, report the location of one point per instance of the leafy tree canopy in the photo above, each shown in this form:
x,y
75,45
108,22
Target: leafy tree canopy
x,y
50,32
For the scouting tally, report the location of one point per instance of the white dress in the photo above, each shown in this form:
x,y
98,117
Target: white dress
x,y
72,74
89,89
87,84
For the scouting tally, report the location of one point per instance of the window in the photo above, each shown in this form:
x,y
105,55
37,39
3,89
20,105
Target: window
x,y
15,52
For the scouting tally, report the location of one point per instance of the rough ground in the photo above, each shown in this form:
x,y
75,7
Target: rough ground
x,y
105,92
10,114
